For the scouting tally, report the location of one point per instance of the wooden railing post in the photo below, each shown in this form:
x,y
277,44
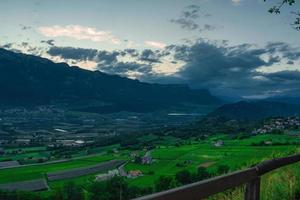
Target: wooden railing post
x,y
253,190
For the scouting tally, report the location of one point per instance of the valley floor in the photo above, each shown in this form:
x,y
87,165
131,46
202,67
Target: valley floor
x,y
167,159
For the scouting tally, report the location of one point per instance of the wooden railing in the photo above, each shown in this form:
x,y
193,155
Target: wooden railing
x,y
206,188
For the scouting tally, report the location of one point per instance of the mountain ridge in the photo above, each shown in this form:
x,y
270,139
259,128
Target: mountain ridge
x,y
256,110
28,79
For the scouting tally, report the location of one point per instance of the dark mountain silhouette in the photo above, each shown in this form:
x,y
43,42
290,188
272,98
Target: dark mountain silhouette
x,y
256,110
32,80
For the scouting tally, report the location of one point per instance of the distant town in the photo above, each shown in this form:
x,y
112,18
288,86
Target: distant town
x,y
278,124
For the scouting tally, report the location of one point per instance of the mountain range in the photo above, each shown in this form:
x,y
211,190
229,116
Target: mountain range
x,y
29,80
32,80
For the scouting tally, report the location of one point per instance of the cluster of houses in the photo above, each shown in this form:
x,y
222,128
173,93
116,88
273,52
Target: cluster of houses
x,y
110,174
278,124
69,143
145,160
119,172
219,143
134,173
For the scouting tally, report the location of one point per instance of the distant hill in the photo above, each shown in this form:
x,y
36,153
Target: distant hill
x,y
255,110
289,100
234,119
32,80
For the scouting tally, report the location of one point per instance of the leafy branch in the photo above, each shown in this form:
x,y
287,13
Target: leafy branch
x,y
277,10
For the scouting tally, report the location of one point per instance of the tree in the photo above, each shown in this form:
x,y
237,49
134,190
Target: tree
x,y
117,187
277,10
18,195
222,169
164,183
184,177
57,194
72,191
202,173
97,191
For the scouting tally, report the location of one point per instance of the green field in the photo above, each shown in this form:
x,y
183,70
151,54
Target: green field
x,y
169,158
236,154
39,171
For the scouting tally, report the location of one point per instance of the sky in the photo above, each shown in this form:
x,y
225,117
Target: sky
x,y
230,47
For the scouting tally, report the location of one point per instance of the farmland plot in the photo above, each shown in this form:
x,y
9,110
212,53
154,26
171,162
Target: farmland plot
x,y
6,164
84,171
34,185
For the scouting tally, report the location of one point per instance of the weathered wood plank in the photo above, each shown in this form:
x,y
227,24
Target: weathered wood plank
x,y
253,190
276,163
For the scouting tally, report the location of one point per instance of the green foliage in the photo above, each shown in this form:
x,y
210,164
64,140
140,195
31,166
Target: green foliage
x,y
164,183
184,177
222,169
70,191
202,173
116,188
5,195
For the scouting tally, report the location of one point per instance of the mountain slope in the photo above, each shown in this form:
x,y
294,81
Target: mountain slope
x,y
26,79
244,110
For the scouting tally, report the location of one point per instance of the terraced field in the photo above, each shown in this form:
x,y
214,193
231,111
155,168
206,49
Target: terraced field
x,y
73,173
39,171
235,154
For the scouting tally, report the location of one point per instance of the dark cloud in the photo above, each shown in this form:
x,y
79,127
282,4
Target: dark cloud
x,y
100,56
24,44
186,23
150,56
287,76
24,27
287,51
191,11
73,53
234,69
7,46
107,61
188,19
107,58
49,42
206,62
131,52
122,68
207,27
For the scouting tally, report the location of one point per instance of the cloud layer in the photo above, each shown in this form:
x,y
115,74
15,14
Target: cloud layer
x,y
236,70
243,70
79,33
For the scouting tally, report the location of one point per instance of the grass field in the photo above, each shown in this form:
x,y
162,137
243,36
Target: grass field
x,y
38,171
169,158
236,154
24,152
